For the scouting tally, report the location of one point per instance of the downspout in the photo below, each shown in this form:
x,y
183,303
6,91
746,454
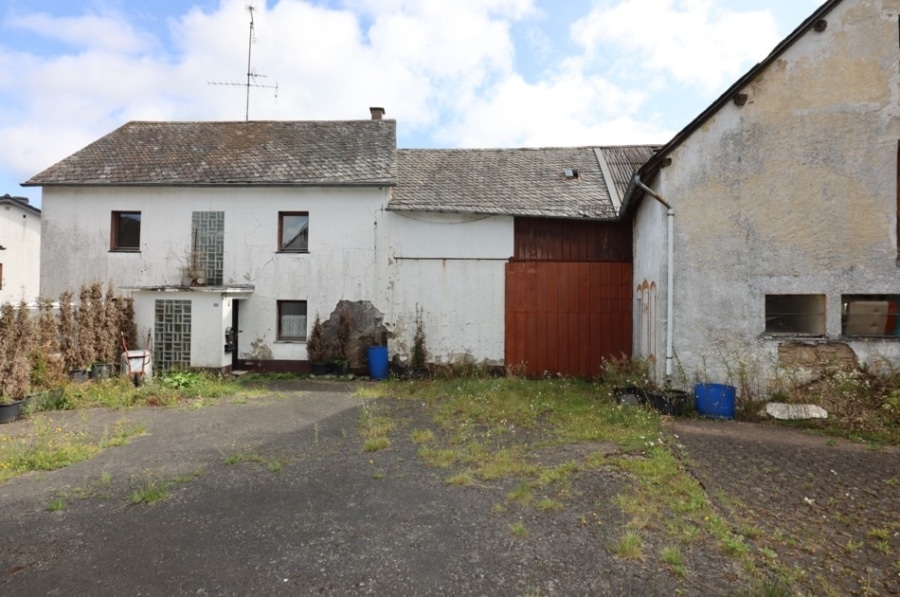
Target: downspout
x,y
670,276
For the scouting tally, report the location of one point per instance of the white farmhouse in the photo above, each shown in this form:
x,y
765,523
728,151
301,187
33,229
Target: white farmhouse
x,y
20,250
233,236
230,236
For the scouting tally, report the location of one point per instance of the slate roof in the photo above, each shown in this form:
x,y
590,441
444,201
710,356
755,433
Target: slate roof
x,y
20,202
358,152
625,160
520,182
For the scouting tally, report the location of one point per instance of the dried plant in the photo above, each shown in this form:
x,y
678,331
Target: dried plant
x,y
67,339
127,327
84,330
316,347
16,340
110,344
47,368
341,343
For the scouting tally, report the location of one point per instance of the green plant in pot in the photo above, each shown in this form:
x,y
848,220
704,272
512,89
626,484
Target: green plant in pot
x,y
317,348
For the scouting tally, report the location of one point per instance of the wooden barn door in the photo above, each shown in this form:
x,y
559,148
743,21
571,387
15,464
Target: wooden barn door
x,y
566,317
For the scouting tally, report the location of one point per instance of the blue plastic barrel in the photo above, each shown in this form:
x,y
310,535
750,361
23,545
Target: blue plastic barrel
x,y
715,400
378,362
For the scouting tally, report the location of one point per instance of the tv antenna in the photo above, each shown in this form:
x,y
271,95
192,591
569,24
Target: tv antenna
x,y
252,77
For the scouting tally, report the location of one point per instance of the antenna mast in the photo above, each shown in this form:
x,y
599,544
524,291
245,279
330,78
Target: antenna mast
x,y
251,76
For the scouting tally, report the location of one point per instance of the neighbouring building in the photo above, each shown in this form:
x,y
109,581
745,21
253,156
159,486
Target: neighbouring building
x,y
20,250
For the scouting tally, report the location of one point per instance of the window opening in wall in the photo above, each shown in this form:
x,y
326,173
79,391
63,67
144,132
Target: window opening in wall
x,y
293,231
871,315
126,231
795,314
292,320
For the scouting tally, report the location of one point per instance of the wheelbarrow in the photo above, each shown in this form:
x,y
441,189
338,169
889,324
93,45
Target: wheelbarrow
x,y
132,358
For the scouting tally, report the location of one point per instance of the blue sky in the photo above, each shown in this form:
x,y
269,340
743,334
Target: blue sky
x,y
453,73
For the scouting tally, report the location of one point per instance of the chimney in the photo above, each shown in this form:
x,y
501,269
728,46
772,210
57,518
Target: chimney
x,y
377,113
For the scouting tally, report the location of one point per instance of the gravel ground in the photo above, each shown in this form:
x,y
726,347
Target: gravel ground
x,y
829,510
307,511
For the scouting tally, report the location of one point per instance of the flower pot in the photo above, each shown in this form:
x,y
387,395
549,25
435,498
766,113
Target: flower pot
x,y
318,368
669,402
9,411
102,370
78,375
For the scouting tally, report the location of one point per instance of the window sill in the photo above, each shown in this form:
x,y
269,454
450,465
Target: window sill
x,y
291,341
124,250
292,252
775,336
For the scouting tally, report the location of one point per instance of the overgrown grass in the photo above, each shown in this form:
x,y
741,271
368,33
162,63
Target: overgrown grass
x,y
489,429
167,390
49,446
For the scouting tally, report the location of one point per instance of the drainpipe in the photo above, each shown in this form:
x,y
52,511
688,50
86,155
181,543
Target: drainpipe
x,y
670,277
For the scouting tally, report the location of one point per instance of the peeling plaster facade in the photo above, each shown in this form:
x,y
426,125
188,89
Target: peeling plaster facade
x,y
20,234
452,266
346,249
794,192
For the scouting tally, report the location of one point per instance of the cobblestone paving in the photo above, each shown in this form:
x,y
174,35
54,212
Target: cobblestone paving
x,y
826,514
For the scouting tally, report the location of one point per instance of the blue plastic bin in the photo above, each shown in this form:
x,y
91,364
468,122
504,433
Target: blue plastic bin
x,y
378,362
715,400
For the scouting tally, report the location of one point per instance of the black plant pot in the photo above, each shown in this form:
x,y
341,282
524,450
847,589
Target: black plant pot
x,y
318,368
674,403
102,370
9,411
78,375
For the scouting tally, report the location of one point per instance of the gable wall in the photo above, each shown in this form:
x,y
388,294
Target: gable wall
x,y
795,192
20,233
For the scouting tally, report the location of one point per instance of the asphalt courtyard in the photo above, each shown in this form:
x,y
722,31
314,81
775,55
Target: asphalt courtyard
x,y
275,496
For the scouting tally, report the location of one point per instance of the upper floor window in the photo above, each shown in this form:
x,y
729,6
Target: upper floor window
x,y
873,315
795,314
293,231
126,231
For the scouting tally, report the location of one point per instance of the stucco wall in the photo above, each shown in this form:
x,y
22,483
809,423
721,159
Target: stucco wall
x,y
344,243
20,233
453,267
793,193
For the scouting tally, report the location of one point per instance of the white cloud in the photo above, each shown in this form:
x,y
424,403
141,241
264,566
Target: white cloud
x,y
89,31
694,41
569,109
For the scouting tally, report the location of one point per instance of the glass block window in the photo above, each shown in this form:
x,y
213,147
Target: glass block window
x,y
208,243
172,335
292,320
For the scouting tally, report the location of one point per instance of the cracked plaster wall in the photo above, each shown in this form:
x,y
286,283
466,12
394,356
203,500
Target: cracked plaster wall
x,y
793,193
